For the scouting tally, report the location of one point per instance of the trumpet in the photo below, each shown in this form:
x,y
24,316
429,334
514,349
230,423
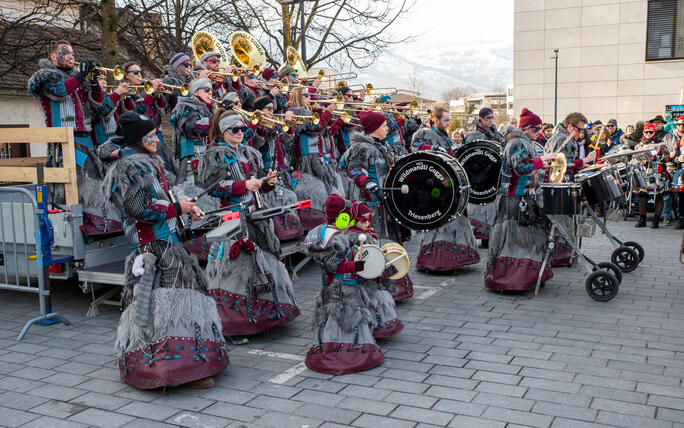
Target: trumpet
x,y
283,84
132,90
253,117
117,72
257,118
315,118
345,115
148,87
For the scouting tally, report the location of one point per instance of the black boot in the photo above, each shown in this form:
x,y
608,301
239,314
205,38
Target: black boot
x,y
656,220
680,224
642,221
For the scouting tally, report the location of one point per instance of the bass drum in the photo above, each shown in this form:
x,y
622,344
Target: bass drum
x,y
438,190
481,160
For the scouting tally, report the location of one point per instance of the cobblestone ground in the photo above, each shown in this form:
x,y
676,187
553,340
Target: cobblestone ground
x,y
468,357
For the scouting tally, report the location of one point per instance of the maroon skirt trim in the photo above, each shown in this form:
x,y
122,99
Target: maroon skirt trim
x,y
311,217
561,256
287,226
389,329
401,289
445,256
232,308
508,273
480,230
94,225
199,247
343,358
173,361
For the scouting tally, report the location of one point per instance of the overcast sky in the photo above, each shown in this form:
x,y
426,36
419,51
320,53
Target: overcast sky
x,y
454,41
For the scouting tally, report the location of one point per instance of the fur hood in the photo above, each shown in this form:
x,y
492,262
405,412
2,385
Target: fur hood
x,y
193,103
47,75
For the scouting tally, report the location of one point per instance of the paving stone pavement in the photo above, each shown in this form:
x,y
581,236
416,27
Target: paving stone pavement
x,y
467,358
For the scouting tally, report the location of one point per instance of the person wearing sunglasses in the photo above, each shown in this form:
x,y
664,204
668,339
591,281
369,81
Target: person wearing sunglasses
x,y
658,181
518,239
485,129
315,158
395,135
251,286
169,332
177,72
191,120
211,62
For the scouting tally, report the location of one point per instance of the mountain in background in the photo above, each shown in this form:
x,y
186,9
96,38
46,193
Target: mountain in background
x,y
439,69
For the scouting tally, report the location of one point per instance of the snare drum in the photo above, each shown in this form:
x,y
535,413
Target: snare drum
x,y
560,198
397,256
597,187
374,257
638,176
621,173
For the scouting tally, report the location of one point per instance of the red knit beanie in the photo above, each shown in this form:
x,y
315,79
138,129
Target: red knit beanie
x,y
360,210
528,119
268,73
334,205
371,121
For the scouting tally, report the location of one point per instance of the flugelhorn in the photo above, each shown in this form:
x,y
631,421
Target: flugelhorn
x,y
168,89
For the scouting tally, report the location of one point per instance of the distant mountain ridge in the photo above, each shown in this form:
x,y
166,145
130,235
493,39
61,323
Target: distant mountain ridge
x,y
441,69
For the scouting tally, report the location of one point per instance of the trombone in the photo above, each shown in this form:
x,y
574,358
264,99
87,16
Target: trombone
x,y
148,87
345,115
369,89
349,75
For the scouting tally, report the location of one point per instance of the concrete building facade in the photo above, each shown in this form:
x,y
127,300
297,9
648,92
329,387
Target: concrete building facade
x,y
605,69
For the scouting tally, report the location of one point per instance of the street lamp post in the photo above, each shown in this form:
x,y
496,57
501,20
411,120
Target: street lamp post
x,y
555,90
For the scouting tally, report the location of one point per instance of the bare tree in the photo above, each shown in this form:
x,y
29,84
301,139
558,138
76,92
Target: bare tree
x,y
457,93
416,85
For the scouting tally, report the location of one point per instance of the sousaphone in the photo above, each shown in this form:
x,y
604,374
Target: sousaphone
x,y
206,42
247,51
293,59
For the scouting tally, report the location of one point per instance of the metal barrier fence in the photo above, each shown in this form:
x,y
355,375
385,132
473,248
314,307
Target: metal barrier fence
x,y
23,259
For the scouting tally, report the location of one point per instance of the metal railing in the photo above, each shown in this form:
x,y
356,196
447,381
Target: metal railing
x,y
23,259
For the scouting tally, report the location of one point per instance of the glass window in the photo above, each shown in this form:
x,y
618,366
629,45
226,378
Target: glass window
x,y
665,31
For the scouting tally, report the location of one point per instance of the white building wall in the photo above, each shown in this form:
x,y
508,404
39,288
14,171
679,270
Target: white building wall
x,y
602,70
22,111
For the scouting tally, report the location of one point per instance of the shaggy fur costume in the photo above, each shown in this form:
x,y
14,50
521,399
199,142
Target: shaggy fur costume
x,y
516,251
343,340
182,341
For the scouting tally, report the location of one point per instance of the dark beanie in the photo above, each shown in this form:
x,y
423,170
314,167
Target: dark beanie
x,y
360,210
268,73
262,102
485,111
343,90
528,119
371,121
334,205
134,126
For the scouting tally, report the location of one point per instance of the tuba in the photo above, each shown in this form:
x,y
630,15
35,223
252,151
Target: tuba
x,y
247,51
206,42
293,59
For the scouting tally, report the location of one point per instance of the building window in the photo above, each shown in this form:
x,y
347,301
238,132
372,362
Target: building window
x,y
665,31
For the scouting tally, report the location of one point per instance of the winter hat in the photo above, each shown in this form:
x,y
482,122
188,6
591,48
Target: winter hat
x,y
134,126
360,210
197,84
597,122
649,127
334,205
178,58
230,96
527,119
372,120
385,98
612,122
287,70
263,102
485,111
269,73
206,55
229,121
343,90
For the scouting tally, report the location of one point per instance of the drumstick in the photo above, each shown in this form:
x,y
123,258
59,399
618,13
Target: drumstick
x,y
404,189
362,239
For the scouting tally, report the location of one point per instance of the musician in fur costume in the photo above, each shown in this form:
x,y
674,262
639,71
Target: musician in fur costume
x,y
380,301
451,246
343,324
170,331
367,162
485,129
250,284
564,140
177,73
269,139
315,160
191,120
519,237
